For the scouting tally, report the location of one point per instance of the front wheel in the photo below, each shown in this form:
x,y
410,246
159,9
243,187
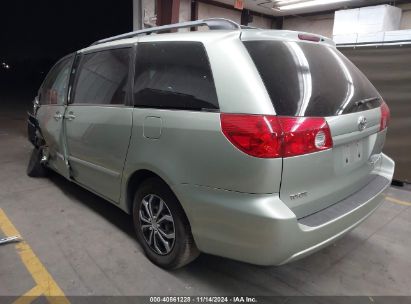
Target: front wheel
x,y
161,226
35,168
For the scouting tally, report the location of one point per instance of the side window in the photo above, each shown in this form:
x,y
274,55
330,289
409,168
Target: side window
x,y
54,88
174,75
102,77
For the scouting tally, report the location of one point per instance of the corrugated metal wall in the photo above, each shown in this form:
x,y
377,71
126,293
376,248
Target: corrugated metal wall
x,y
389,69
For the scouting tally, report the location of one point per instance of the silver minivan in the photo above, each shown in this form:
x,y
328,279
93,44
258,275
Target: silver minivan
x,y
262,146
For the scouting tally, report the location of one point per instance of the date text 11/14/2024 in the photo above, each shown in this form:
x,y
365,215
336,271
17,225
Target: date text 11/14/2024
x,y
203,299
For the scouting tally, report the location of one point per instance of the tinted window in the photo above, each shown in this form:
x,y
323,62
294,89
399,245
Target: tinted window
x,y
54,88
102,77
174,75
310,79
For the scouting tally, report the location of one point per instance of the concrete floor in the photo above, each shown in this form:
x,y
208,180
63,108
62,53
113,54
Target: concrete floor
x,y
88,246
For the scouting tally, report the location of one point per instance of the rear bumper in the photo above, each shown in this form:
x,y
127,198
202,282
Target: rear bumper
x,y
261,229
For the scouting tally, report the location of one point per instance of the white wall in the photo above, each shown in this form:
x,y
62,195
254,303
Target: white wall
x,y
323,24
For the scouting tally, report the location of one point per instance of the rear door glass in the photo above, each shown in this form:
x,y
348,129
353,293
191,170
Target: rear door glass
x,y
102,77
174,75
311,79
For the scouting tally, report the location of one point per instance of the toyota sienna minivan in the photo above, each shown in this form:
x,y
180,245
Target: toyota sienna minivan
x,y
257,145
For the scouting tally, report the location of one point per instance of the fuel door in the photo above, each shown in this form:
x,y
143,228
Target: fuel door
x,y
152,127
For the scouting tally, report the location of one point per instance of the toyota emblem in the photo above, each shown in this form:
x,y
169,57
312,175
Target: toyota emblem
x,y
362,123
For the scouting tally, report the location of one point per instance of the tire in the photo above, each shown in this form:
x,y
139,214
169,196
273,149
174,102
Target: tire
x,y
35,168
182,249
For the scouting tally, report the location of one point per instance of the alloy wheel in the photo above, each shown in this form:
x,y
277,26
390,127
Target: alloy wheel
x,y
157,224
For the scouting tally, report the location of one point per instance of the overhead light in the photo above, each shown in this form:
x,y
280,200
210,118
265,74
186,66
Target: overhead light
x,y
308,4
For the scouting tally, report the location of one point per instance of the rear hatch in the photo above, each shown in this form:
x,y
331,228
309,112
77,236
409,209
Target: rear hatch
x,y
310,79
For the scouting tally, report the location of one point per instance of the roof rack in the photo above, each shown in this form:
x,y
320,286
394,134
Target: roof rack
x,y
212,23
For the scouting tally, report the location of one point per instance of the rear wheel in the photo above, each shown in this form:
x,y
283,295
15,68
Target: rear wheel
x,y
161,226
35,168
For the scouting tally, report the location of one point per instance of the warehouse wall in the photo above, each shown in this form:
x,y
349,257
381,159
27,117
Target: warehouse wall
x,y
185,10
208,11
149,15
388,68
323,24
204,11
319,24
261,22
148,12
406,16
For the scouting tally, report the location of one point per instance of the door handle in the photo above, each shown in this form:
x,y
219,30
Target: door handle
x,y
58,116
70,116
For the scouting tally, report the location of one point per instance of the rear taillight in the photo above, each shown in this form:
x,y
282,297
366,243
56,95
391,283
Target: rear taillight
x,y
385,116
303,135
256,135
268,136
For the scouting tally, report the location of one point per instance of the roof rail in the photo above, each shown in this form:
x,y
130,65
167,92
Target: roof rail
x,y
212,23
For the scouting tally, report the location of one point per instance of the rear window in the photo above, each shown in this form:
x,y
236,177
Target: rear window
x,y
174,75
310,79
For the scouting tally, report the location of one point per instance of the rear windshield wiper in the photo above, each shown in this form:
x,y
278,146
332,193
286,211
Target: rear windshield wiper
x,y
367,100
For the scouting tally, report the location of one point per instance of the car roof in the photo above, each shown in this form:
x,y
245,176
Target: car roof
x,y
210,35
218,27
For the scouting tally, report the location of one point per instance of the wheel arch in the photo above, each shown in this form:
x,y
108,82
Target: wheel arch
x,y
188,249
136,179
